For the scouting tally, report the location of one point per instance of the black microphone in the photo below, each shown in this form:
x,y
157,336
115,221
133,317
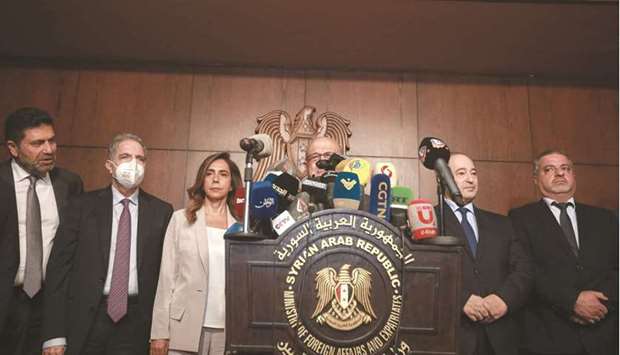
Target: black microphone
x,y
434,154
330,164
317,191
286,186
259,145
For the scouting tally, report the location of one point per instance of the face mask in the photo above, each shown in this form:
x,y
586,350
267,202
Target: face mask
x,y
129,174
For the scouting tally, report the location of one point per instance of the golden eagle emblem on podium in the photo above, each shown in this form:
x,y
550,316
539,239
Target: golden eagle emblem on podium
x,y
345,297
291,137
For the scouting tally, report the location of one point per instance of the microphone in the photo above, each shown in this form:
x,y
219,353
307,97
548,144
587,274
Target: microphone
x,y
421,214
258,145
286,186
317,191
298,209
272,175
361,167
330,164
434,154
239,202
380,196
347,190
401,197
329,178
263,201
388,169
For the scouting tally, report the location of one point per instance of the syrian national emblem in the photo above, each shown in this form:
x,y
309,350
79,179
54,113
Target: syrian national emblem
x,y
343,298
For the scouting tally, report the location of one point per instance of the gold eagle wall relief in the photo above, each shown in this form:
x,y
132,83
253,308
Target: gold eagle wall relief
x,y
291,137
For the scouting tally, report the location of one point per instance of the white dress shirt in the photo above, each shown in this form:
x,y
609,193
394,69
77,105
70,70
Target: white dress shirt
x,y
215,312
471,217
117,209
49,216
570,210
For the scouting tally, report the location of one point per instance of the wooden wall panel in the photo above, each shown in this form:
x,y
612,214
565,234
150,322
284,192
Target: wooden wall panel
x,y
225,105
375,104
501,186
154,106
487,119
50,90
86,162
582,121
597,185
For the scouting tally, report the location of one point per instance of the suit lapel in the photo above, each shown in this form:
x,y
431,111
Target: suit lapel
x,y
144,216
6,174
104,223
551,227
453,225
60,190
483,232
200,234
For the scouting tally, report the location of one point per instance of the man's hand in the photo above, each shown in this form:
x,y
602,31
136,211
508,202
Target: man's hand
x,y
54,350
588,306
474,308
496,307
159,347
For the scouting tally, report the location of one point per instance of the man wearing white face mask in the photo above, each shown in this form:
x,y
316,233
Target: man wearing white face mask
x,y
104,267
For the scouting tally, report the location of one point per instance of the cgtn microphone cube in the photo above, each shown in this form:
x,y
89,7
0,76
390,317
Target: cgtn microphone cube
x,y
421,215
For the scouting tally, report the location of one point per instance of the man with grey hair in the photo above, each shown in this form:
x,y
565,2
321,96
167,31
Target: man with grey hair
x,y
104,266
574,247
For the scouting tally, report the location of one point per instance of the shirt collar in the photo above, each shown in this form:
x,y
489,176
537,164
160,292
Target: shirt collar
x,y
455,207
19,174
117,197
549,201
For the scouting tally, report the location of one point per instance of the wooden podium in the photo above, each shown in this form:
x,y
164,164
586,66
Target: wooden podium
x,y
342,282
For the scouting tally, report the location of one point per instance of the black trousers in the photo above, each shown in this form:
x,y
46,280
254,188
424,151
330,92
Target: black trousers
x,y
130,336
22,331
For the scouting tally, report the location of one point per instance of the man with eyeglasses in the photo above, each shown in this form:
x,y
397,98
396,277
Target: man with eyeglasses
x,y
574,306
320,148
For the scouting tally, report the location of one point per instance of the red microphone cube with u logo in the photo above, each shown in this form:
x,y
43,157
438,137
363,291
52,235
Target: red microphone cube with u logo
x,y
422,219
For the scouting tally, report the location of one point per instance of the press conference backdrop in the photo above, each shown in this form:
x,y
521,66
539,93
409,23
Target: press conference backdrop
x,y
184,116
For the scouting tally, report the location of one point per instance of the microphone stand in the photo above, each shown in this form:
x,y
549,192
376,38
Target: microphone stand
x,y
247,180
441,216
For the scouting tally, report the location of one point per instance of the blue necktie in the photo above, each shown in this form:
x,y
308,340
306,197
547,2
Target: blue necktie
x,y
469,231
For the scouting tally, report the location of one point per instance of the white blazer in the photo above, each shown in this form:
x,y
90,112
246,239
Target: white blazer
x,y
181,298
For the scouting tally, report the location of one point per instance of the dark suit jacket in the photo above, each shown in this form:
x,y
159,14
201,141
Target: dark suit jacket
x,y
65,183
560,276
501,267
78,265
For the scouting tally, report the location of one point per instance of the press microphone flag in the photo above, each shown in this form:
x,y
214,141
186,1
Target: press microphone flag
x,y
361,167
347,190
380,196
421,215
401,196
263,201
239,202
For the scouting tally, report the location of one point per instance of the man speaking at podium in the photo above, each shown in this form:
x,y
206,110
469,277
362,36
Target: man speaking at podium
x,y
496,269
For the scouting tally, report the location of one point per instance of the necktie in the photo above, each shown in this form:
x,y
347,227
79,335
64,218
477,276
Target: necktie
x,y
469,231
567,226
117,299
34,242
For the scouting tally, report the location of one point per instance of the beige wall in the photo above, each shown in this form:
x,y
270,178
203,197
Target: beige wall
x,y
183,116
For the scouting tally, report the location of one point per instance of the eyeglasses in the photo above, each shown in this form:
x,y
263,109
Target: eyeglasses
x,y
319,156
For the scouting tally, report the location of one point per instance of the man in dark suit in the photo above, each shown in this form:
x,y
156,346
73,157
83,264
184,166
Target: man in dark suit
x,y
574,306
497,272
104,266
34,193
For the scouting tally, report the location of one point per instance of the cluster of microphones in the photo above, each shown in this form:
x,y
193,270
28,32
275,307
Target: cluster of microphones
x,y
281,199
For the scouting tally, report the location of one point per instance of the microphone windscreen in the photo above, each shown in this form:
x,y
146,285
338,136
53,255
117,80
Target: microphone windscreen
x,y
431,149
263,200
388,169
340,166
286,186
267,145
347,190
271,175
401,196
421,215
316,189
299,207
239,202
380,196
361,167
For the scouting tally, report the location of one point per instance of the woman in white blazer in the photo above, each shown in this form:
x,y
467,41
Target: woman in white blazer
x,y
188,315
